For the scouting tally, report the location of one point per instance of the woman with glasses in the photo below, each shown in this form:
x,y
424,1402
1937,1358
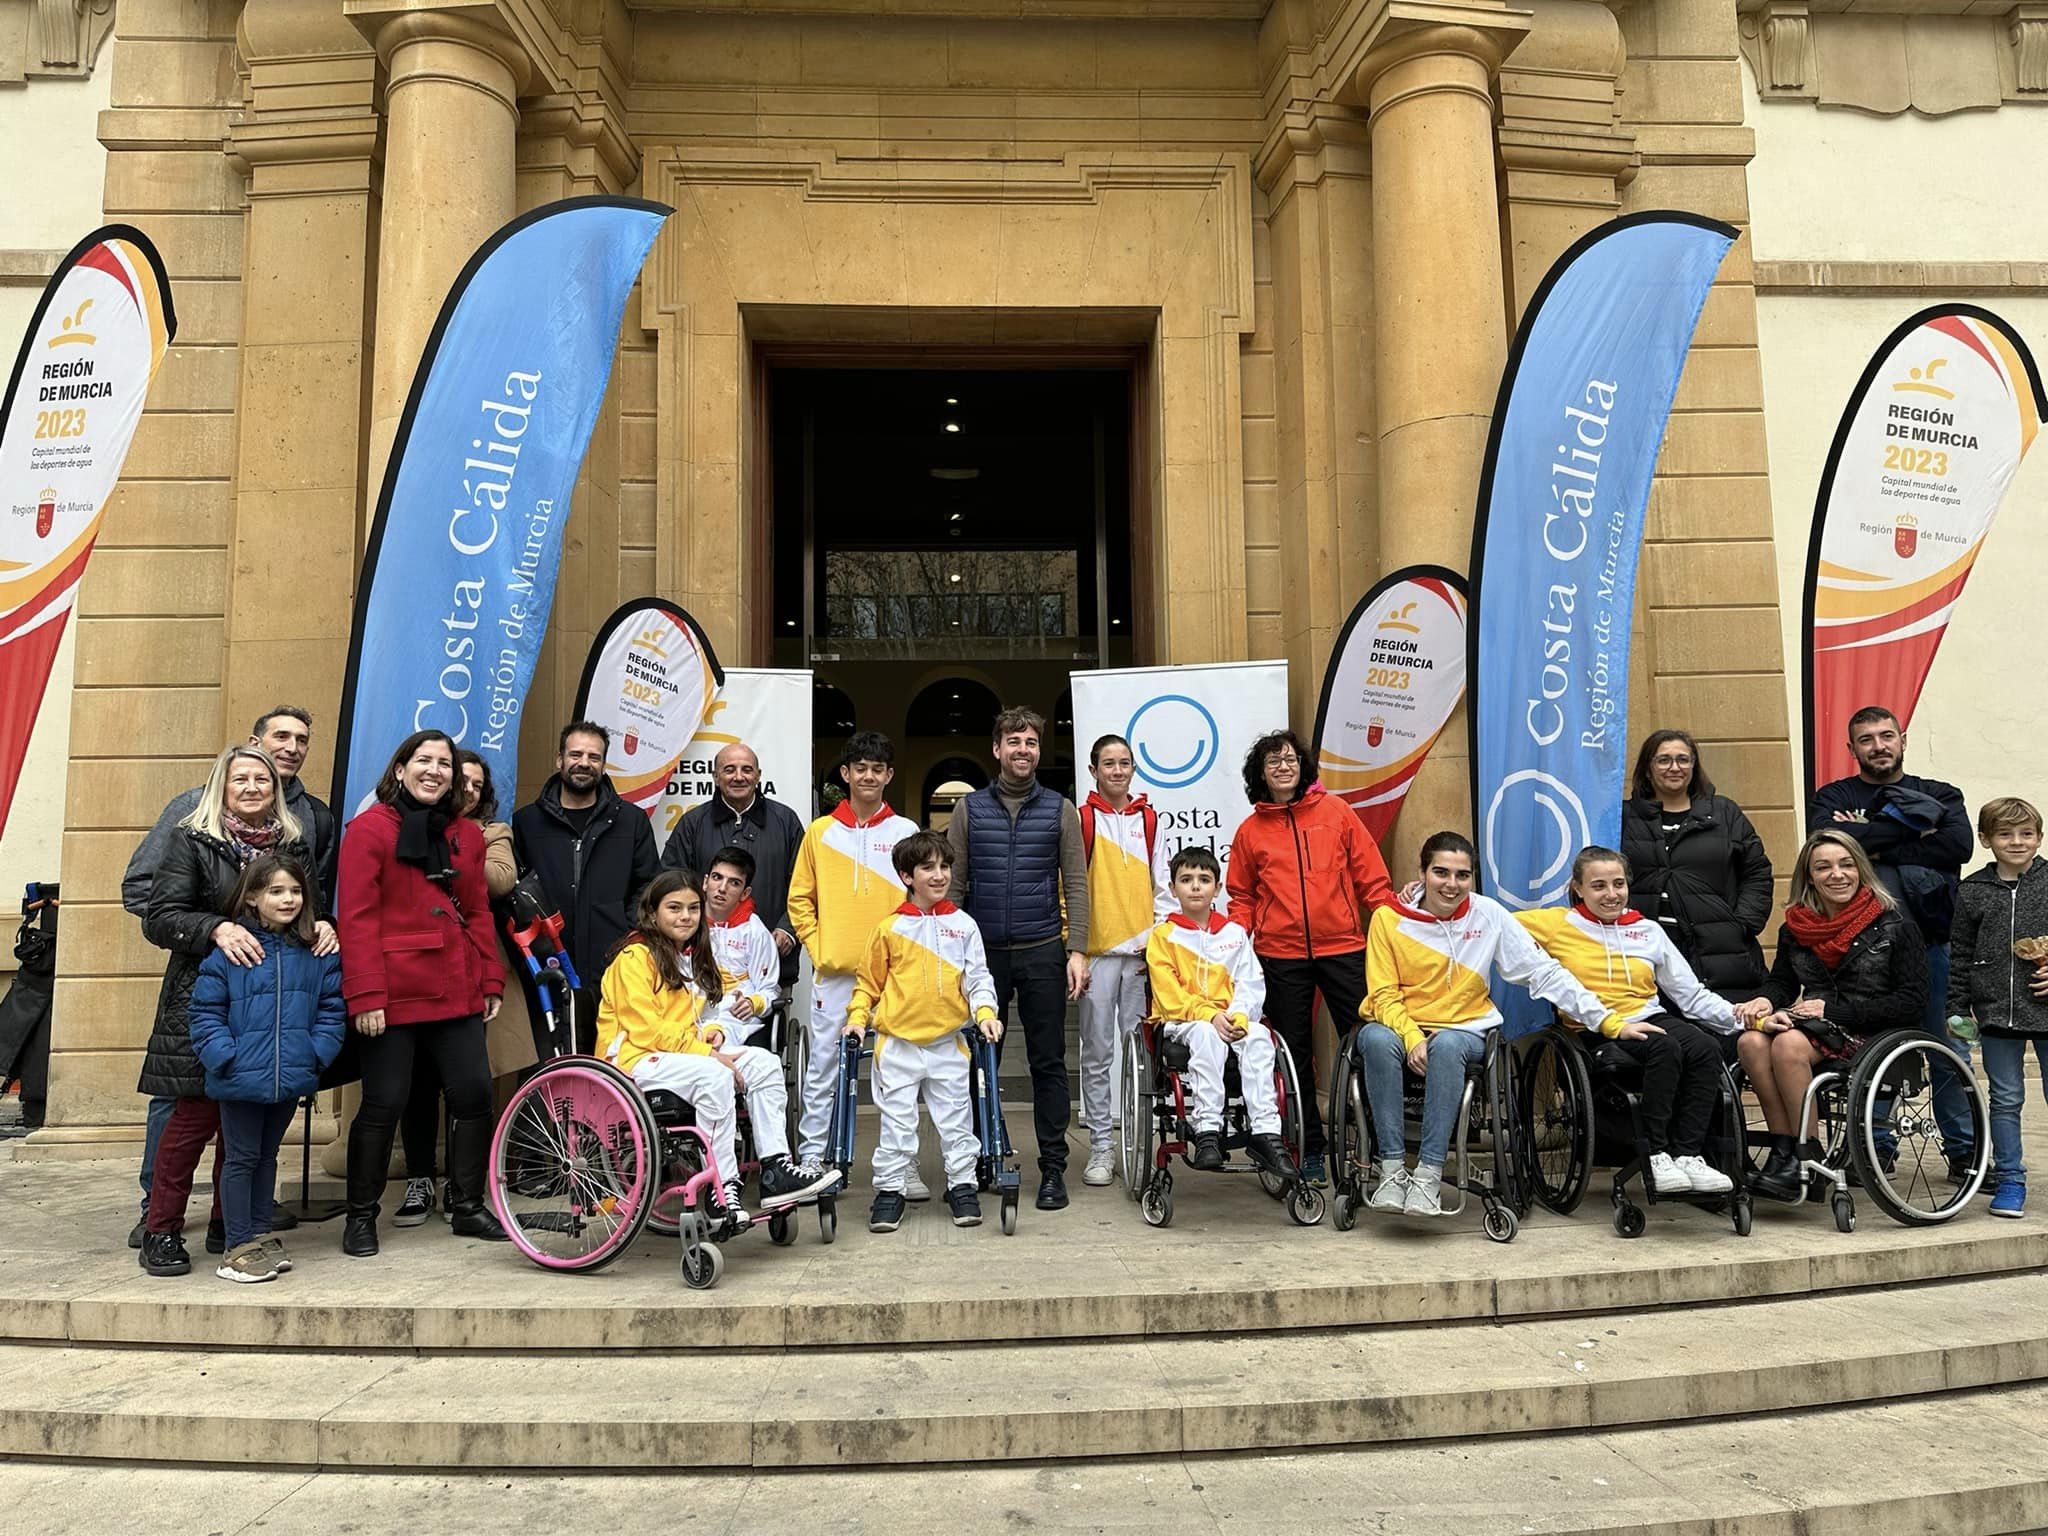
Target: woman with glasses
x,y
1698,866
1304,878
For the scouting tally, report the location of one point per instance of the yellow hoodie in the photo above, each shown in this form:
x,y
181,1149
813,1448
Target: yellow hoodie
x,y
843,883
924,973
1626,963
640,1017
1199,972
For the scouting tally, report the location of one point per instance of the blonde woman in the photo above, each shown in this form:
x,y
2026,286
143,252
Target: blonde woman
x,y
1850,965
241,816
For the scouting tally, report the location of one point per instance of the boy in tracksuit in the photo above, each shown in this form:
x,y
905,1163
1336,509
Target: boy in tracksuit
x,y
1207,988
748,962
925,975
844,882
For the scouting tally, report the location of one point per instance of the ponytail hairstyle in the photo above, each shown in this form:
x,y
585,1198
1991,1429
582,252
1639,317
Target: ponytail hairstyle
x,y
1593,854
669,959
1448,842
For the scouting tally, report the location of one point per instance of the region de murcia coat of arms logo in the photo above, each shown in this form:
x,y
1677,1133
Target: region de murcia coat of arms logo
x,y
632,742
46,513
1375,730
1906,535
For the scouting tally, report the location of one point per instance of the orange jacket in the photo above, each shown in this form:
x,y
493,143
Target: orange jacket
x,y
1305,878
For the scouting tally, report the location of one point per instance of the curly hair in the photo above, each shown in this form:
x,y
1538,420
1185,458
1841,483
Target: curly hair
x,y
1255,764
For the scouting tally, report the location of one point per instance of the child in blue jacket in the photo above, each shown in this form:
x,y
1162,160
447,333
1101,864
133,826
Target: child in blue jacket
x,y
264,1033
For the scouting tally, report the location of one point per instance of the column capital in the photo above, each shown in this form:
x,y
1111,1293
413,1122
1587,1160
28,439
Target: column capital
x,y
477,26
1395,32
312,97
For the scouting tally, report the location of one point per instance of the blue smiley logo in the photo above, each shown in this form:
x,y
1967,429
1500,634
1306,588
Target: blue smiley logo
x,y
1177,743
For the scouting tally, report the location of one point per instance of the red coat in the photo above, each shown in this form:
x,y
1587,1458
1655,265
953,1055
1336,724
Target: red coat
x,y
404,948
1305,878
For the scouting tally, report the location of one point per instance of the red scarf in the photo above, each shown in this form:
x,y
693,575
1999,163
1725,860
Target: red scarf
x,y
1830,937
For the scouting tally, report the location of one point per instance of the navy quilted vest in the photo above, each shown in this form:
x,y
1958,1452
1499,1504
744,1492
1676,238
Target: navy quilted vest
x,y
1013,868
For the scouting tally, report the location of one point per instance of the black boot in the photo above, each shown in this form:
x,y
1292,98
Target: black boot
x,y
1269,1155
359,1234
1208,1153
1780,1177
468,1143
163,1254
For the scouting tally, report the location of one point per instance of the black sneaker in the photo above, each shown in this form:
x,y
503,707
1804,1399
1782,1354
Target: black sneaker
x,y
216,1237
1052,1193
137,1232
282,1219
163,1254
785,1183
1208,1153
359,1236
965,1205
417,1205
1779,1178
475,1221
1269,1155
886,1214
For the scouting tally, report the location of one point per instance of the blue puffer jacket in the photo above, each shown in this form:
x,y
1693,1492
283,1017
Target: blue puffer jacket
x,y
265,1032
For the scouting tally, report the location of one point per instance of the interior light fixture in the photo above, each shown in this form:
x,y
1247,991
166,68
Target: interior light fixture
x,y
954,518
952,399
952,426
953,576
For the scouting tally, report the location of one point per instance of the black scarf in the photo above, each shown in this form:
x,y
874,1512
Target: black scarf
x,y
423,835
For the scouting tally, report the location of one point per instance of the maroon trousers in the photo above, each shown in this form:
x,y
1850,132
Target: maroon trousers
x,y
192,1125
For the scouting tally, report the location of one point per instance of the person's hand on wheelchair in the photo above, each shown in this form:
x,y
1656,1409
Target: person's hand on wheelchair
x,y
1229,1028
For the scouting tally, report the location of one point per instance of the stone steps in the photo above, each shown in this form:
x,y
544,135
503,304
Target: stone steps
x,y
1167,1396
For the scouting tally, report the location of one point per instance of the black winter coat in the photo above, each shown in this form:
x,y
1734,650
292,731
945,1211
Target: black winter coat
x,y
595,876
1710,887
769,830
1881,983
188,897
1986,981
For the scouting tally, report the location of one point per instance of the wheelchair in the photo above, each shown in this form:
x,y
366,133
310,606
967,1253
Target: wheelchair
x,y
1878,1131
1574,1092
1155,1125
1490,1147
583,1159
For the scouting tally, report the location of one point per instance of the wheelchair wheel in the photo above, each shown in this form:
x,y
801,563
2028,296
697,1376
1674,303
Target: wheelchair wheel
x,y
1629,1219
1008,1216
782,1228
796,1058
1158,1202
1343,1212
828,1219
1555,1094
1348,1125
1135,1114
1305,1205
1501,1224
1292,1122
703,1262
575,1165
1891,1110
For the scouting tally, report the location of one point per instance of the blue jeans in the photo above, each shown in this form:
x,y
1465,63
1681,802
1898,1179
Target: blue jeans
x,y
248,1174
1451,1053
152,1133
1951,1098
2005,1064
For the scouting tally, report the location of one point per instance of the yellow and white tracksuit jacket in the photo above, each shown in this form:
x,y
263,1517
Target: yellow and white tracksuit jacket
x,y
1626,964
1127,890
1425,973
1199,972
750,966
843,884
638,1016
924,976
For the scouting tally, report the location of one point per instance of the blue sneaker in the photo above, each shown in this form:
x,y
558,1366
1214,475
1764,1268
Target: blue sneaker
x,y
2010,1198
1312,1172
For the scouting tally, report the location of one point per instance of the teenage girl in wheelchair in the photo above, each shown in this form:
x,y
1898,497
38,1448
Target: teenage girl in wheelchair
x,y
1429,1017
590,1150
1842,1071
1657,1070
1203,1066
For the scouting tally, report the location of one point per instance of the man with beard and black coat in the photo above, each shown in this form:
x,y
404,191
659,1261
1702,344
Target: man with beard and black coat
x,y
593,854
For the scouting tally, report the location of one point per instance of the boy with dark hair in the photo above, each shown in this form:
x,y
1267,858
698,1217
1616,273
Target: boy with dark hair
x,y
748,961
1208,991
844,882
923,977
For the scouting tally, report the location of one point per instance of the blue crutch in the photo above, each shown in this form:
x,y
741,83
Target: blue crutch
x,y
998,1160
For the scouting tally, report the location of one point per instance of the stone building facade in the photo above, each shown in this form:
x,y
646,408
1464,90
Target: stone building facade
x,y
1310,225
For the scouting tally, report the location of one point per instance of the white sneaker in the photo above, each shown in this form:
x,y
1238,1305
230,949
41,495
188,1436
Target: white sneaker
x,y
1100,1169
1425,1196
1667,1177
1705,1177
913,1186
1392,1193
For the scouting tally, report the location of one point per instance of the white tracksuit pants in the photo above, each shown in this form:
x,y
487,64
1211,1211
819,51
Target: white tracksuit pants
x,y
940,1070
1110,1010
1255,1055
708,1084
831,996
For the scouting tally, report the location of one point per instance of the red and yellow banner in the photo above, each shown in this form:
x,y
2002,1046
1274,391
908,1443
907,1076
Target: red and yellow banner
x,y
71,409
1931,439
651,680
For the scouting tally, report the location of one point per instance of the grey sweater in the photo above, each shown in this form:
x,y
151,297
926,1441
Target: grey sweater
x,y
1986,980
1073,862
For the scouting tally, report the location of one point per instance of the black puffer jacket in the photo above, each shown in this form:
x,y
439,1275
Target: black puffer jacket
x,y
1881,983
595,876
187,899
1986,981
1710,887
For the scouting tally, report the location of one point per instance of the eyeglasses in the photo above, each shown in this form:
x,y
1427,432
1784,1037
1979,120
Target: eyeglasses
x,y
1282,760
1672,762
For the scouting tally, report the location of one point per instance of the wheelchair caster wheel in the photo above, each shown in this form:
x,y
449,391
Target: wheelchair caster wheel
x,y
1009,1216
1629,1221
828,1220
1741,1214
1501,1224
1344,1213
1305,1205
703,1263
782,1229
1157,1206
1845,1212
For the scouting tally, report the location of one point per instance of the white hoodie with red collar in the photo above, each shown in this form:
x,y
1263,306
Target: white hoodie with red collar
x,y
1426,973
925,975
1626,964
1127,890
1200,971
748,963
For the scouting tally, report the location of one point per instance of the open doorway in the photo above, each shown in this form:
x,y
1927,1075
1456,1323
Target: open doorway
x,y
948,541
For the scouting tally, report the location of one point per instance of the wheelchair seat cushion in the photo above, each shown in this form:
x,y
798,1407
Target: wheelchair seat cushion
x,y
1173,1053
670,1110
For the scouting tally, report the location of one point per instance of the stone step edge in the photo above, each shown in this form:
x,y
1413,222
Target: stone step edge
x,y
183,1316
1042,1419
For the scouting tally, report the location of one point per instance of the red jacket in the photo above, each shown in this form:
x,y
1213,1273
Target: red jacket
x,y
406,946
1305,878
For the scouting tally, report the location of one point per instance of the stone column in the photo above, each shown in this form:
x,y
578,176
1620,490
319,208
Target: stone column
x,y
1440,316
451,112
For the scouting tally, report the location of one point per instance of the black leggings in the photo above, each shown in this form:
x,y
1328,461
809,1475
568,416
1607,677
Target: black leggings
x,y
1681,1078
1291,987
457,1046
419,1128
